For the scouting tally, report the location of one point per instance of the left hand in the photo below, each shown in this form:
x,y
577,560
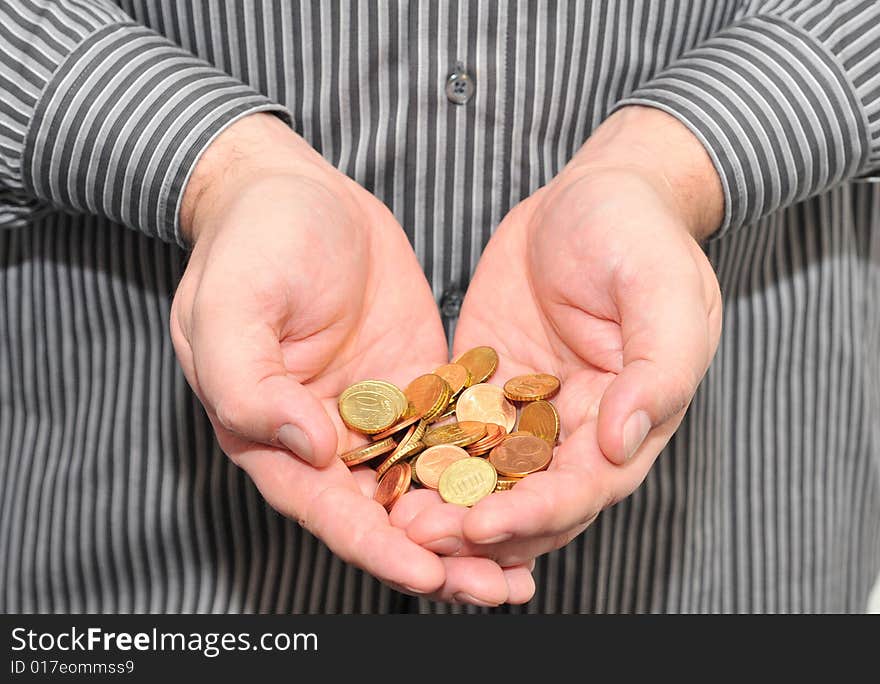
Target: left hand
x,y
598,279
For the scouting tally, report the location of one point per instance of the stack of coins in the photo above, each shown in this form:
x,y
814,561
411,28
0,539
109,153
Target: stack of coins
x,y
451,431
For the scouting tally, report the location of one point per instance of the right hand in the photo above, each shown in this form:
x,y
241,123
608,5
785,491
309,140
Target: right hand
x,y
299,284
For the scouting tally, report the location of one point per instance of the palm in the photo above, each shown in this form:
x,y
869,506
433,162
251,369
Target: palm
x,y
594,280
538,328
275,318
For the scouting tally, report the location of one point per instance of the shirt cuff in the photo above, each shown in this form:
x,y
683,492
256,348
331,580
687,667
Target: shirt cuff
x,y
775,110
121,124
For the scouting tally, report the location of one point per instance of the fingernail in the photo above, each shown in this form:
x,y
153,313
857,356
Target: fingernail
x,y
463,597
414,591
497,539
635,430
446,546
295,440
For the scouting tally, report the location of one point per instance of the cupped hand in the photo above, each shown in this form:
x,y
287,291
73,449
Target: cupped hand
x,y
597,279
299,284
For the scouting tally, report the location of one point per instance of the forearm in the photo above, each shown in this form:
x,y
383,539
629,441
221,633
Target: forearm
x,y
658,146
785,100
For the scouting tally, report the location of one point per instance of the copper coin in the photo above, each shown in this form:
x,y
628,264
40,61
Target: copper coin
x,y
367,452
393,485
456,376
531,387
495,434
481,362
460,434
402,425
519,456
429,394
540,419
432,462
486,403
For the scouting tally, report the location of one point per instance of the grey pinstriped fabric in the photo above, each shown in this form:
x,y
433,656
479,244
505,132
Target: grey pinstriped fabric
x,y
113,493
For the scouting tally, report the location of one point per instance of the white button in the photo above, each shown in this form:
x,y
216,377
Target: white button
x,y
459,86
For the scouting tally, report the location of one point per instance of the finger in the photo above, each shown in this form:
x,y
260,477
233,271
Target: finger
x,y
439,528
667,348
243,379
411,504
543,504
520,584
474,581
580,483
328,503
366,480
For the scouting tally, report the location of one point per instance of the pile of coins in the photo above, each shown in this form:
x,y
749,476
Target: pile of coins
x,y
452,431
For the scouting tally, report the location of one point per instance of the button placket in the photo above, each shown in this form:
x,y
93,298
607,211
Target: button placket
x,y
450,302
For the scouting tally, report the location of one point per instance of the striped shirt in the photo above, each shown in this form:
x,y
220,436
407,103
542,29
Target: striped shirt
x,y
114,495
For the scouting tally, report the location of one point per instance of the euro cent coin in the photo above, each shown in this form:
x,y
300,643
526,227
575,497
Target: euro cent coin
x,y
460,434
432,462
367,452
371,406
456,376
540,419
487,404
531,387
521,455
467,481
393,485
429,394
481,363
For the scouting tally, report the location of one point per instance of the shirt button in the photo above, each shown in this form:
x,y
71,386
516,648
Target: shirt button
x,y
450,303
459,86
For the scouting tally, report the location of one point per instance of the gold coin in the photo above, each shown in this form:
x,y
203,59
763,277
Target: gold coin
x,y
432,462
419,432
412,469
407,447
429,394
460,434
448,413
505,483
519,456
367,452
531,387
467,481
486,403
481,362
371,406
456,376
400,425
540,419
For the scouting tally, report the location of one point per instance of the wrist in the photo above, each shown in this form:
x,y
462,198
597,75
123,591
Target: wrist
x,y
253,148
656,145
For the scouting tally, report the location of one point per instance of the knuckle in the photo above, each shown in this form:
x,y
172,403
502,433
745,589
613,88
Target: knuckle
x,y
230,413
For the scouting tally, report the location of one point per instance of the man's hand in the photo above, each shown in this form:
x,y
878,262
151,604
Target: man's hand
x,y
300,283
598,279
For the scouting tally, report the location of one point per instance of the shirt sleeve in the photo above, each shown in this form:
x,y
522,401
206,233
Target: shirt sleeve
x,y
99,114
786,101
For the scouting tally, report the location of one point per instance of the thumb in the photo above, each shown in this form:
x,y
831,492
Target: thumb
x,y
668,341
244,381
